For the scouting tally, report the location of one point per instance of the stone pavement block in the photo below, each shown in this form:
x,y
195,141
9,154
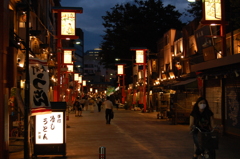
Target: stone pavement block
x,y
131,135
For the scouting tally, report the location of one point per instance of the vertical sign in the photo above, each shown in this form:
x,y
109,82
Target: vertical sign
x,y
139,56
39,86
213,10
84,82
49,128
67,23
120,70
67,57
70,68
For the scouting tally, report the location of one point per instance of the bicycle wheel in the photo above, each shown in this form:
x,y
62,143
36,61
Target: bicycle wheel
x,y
14,132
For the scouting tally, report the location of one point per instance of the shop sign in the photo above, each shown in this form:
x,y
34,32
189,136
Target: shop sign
x,y
67,59
68,23
139,56
39,86
120,69
49,128
213,10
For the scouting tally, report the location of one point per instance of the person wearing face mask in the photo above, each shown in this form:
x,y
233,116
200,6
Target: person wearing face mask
x,y
201,117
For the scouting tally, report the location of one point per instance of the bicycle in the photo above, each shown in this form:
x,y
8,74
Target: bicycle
x,y
208,142
18,130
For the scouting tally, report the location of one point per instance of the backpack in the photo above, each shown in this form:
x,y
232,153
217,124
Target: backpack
x,y
77,104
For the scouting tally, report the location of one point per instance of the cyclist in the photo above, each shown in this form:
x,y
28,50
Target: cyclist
x,y
201,117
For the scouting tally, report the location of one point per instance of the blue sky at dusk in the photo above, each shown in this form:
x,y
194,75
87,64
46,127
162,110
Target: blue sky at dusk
x,y
90,21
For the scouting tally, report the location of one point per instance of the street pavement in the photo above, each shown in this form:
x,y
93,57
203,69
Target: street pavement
x,y
131,135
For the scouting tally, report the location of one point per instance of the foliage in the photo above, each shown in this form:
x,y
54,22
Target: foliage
x,y
234,13
136,24
195,9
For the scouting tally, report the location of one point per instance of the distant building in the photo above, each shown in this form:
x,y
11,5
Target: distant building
x,y
96,75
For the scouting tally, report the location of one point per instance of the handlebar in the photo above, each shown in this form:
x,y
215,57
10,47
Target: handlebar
x,y
195,127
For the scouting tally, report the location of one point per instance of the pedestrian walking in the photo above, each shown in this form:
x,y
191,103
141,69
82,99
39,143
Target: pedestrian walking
x,y
82,102
86,103
109,109
117,103
78,107
91,104
99,103
201,117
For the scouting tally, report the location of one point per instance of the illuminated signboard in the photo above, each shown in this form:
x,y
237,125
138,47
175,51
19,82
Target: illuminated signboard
x,y
120,69
213,10
70,68
39,86
67,23
67,57
76,77
49,128
80,79
139,56
84,82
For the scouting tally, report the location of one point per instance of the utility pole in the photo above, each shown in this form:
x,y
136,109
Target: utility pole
x,y
27,86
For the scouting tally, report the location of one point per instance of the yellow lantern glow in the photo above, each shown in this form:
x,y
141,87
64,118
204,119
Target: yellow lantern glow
x,y
68,23
213,10
76,77
120,70
140,56
70,68
84,83
80,79
67,57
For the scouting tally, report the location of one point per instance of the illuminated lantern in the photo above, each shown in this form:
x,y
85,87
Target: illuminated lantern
x,y
70,68
80,79
76,77
68,23
213,10
67,59
120,69
140,58
84,83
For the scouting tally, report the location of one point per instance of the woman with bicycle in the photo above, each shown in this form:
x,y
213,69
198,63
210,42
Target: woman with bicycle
x,y
202,118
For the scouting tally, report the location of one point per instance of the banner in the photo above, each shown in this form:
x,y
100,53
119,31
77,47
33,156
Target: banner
x,y
39,86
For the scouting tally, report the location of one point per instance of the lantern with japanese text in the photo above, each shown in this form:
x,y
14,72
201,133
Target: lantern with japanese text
x,y
120,69
67,57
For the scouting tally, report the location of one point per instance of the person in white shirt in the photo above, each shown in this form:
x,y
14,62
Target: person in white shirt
x,y
109,108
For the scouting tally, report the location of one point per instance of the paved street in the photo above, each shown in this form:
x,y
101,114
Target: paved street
x,y
132,134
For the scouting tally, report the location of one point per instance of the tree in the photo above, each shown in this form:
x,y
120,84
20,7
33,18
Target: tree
x,y
194,9
234,13
136,24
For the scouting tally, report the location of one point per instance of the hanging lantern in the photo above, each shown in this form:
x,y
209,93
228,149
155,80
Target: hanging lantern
x,y
70,68
120,69
140,56
76,77
68,23
67,59
80,79
84,83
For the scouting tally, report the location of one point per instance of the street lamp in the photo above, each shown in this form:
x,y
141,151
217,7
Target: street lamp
x,y
213,15
120,72
141,60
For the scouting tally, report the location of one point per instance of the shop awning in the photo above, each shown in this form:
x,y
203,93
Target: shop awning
x,y
185,82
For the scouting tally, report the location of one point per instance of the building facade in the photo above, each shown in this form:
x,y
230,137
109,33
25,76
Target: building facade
x,y
97,76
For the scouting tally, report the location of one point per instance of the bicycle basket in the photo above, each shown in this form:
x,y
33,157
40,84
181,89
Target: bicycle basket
x,y
209,140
